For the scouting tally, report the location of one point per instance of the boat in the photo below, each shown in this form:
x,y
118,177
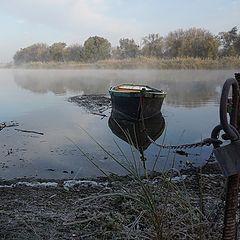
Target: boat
x,y
136,101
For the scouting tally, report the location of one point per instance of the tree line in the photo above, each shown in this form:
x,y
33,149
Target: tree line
x,y
193,42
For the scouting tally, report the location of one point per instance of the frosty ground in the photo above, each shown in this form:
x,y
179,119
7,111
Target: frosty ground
x,y
185,206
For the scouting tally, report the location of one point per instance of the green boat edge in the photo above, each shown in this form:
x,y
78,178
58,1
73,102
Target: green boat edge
x,y
155,93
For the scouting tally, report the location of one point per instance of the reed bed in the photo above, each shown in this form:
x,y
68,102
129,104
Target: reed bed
x,y
139,63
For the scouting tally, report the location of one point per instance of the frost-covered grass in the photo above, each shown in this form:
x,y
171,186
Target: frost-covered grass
x,y
118,209
170,205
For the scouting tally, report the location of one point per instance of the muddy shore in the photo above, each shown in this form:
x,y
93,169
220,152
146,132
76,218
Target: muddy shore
x,y
187,206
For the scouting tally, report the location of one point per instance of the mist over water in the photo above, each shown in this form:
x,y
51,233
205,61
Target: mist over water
x,y
37,100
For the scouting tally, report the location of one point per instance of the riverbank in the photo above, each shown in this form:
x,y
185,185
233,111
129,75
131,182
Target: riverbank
x,y
165,206
138,63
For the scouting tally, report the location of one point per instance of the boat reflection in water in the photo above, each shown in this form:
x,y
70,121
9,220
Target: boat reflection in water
x,y
137,132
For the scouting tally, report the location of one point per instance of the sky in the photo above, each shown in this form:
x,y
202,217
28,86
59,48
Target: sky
x,y
25,22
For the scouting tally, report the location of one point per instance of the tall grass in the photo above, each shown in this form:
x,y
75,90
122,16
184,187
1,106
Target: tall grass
x,y
165,208
173,63
142,62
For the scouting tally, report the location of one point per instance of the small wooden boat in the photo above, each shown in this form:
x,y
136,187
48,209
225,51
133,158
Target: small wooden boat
x,y
131,101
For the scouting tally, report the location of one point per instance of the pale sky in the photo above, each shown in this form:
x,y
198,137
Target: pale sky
x,y
25,22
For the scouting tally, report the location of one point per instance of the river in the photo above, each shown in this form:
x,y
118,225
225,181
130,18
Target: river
x,y
38,100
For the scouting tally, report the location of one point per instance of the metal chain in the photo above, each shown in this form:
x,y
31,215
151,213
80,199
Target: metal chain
x,y
204,142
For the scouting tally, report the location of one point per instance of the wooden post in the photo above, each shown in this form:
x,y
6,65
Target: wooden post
x,y
230,225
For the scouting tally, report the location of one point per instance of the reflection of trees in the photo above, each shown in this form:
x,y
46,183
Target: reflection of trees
x,y
189,88
191,94
59,82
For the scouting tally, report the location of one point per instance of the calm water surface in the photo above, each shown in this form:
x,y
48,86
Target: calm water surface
x,y
37,100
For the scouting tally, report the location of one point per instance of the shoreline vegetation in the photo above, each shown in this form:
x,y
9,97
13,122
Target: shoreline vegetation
x,y
136,63
193,48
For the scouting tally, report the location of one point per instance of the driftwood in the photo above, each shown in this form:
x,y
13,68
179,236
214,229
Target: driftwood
x,y
29,131
5,125
99,114
94,104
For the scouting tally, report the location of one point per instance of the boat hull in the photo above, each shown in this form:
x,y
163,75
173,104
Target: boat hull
x,y
135,106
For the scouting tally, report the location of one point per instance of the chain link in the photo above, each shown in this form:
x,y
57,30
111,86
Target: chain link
x,y
204,142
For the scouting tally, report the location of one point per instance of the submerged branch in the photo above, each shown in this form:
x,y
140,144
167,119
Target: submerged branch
x,y
5,125
29,131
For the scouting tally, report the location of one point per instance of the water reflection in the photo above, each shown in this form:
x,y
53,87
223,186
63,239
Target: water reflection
x,y
29,98
61,82
191,94
188,88
136,132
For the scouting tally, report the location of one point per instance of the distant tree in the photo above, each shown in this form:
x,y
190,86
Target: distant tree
x,y
153,45
199,43
57,51
174,41
194,42
43,52
237,45
115,54
96,48
38,52
74,53
127,49
229,43
18,57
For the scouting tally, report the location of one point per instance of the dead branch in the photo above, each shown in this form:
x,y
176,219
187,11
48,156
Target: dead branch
x,y
99,114
5,125
29,131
